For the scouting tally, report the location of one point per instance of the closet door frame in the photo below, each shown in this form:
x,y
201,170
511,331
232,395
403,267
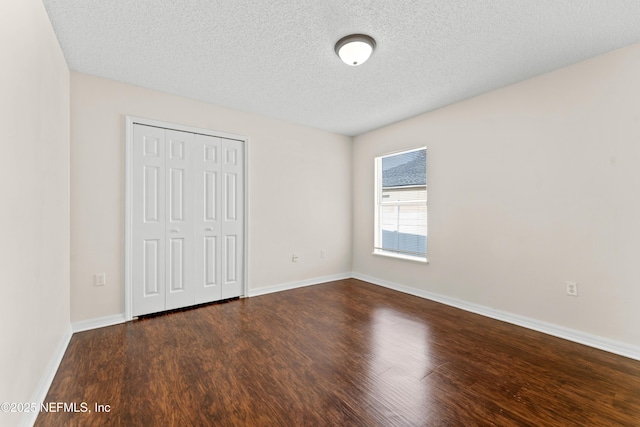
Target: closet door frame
x,y
130,121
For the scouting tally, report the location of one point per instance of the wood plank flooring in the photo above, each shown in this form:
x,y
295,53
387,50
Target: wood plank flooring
x,y
344,353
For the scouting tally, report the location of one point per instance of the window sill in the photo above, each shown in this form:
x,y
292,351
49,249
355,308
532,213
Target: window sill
x,y
400,256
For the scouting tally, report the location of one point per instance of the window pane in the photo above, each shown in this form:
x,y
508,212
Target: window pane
x,y
404,229
401,223
405,169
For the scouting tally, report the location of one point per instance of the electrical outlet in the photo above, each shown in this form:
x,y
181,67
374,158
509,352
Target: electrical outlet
x,y
572,289
100,279
294,258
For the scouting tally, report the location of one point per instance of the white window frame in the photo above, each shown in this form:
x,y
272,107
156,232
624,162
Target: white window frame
x,y
379,204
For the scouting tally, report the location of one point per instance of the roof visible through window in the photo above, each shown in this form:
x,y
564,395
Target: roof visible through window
x,y
405,169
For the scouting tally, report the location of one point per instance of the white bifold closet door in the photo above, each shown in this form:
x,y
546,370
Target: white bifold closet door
x,y
187,220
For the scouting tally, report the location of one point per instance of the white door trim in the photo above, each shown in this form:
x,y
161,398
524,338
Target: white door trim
x,y
128,214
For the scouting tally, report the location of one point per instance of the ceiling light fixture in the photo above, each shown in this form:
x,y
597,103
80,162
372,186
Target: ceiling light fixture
x,y
355,49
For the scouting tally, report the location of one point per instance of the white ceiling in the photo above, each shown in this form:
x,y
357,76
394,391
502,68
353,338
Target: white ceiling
x,y
276,57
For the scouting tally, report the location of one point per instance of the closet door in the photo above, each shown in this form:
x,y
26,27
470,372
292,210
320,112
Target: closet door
x,y
232,238
148,220
180,220
207,167
187,218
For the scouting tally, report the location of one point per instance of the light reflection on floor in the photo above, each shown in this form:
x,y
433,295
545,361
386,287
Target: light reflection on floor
x,y
399,363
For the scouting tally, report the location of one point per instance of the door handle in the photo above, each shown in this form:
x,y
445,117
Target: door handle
x,y
208,229
175,230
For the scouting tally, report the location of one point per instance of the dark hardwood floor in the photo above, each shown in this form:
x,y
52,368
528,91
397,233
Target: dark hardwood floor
x,y
344,353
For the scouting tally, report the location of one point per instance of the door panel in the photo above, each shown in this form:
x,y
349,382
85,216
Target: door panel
x,y
210,195
180,233
151,268
231,189
206,166
177,147
151,143
176,265
150,187
230,255
176,185
210,265
148,220
233,221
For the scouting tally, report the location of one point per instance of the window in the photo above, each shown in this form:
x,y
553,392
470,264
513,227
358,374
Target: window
x,y
401,205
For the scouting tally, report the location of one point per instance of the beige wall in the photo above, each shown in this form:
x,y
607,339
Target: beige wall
x,y
34,248
529,186
299,190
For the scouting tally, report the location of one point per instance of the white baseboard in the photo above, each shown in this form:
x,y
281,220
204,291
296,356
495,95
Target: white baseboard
x,y
612,346
297,284
40,394
616,347
101,322
98,322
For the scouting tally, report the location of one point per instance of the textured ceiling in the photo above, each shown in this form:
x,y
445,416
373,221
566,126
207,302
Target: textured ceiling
x,y
276,58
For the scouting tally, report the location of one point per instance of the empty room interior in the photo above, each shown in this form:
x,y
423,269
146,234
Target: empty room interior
x,y
305,213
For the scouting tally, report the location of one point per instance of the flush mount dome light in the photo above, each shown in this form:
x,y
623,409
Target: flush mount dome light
x,y
355,49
